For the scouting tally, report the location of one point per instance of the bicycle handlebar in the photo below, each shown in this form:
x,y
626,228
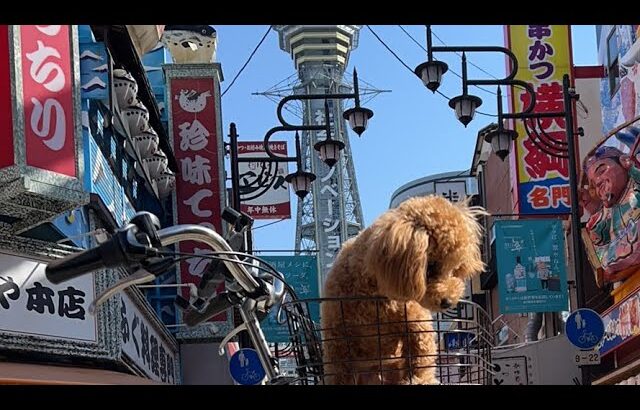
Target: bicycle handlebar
x,y
179,233
109,254
125,247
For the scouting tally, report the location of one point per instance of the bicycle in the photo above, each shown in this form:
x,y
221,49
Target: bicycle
x,y
587,337
141,245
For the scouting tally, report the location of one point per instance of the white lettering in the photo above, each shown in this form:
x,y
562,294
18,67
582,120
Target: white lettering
x,y
56,141
41,71
49,30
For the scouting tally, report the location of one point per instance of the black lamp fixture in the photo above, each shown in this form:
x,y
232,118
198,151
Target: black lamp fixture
x,y
357,116
500,140
499,137
431,71
465,105
300,180
328,149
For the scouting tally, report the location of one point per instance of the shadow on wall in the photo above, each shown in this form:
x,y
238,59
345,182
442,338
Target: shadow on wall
x,y
201,365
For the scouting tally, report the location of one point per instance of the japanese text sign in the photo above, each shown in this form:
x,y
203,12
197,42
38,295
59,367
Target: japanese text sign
x,y
31,305
530,258
544,56
199,194
301,273
264,194
47,94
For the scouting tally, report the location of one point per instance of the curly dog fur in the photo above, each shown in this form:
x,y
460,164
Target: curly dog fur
x,y
416,257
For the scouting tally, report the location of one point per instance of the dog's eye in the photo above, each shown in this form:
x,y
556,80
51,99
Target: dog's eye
x,y
432,268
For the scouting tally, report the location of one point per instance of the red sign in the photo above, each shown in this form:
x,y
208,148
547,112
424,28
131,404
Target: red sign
x,y
6,124
264,194
47,93
198,187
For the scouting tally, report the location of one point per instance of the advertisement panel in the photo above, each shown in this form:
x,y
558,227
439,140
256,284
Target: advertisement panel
x,y
264,194
544,56
531,266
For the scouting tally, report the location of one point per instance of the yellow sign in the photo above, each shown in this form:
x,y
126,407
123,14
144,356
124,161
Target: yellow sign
x,y
544,56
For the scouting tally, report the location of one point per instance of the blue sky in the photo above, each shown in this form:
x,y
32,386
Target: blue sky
x,y
413,133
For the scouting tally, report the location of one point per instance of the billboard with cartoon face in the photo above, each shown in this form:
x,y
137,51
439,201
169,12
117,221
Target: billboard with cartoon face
x,y
610,183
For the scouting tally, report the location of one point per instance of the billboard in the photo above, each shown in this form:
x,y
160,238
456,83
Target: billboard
x,y
264,194
194,122
301,273
47,94
544,56
530,258
621,324
31,305
611,171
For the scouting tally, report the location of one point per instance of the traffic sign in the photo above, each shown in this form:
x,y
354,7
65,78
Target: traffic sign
x,y
245,367
584,329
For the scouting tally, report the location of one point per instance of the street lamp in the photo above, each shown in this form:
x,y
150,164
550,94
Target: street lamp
x,y
431,71
465,105
328,149
500,138
357,116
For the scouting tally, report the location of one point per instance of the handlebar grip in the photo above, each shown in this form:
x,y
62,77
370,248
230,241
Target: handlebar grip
x,y
217,305
107,254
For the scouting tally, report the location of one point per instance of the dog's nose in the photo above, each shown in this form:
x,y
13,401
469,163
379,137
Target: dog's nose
x,y
445,303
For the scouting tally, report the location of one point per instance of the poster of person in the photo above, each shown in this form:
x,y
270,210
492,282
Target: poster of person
x,y
610,183
531,265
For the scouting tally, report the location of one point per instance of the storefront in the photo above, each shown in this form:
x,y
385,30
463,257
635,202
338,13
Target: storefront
x,y
46,197
45,327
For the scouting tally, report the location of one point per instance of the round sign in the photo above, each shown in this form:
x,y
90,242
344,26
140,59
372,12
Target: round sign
x,y
245,367
584,328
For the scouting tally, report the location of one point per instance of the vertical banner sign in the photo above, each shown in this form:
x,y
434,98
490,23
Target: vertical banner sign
x,y
301,272
198,188
544,56
264,194
331,229
144,345
532,274
47,81
6,118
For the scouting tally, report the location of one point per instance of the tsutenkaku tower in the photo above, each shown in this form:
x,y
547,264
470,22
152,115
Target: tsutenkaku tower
x,y
332,212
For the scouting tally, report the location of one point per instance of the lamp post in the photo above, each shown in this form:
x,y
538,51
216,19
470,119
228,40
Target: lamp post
x,y
328,149
500,137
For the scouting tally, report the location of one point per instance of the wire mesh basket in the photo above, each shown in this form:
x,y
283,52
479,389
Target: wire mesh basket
x,y
458,344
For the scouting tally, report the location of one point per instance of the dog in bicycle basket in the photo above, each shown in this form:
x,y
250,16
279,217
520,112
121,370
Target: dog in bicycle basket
x,y
384,284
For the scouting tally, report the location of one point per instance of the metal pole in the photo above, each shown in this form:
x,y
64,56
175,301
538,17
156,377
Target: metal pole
x,y
573,183
235,177
575,214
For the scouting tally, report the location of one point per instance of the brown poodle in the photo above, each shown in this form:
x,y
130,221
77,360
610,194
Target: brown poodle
x,y
414,259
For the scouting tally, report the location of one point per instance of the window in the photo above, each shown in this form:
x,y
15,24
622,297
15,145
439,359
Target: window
x,y
612,62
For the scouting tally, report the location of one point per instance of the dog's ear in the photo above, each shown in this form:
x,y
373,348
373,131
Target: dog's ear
x,y
472,263
397,256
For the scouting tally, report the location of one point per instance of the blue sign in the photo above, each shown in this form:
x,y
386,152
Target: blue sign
x,y
301,273
549,196
94,71
532,275
584,329
245,367
621,323
458,340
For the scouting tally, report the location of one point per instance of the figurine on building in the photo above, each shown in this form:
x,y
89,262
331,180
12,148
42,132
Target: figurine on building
x,y
613,201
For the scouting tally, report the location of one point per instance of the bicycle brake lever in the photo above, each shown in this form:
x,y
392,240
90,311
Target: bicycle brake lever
x,y
139,277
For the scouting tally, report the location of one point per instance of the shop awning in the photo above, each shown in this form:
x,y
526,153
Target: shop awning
x,y
22,373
